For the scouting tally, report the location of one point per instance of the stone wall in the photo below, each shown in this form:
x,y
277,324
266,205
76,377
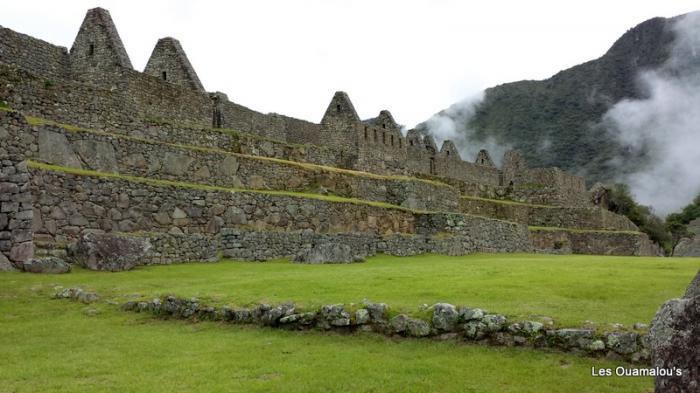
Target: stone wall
x,y
110,153
69,205
44,60
547,216
593,242
448,234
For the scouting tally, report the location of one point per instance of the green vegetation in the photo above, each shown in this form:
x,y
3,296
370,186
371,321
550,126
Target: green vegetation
x,y
677,223
577,230
3,105
571,289
54,346
621,202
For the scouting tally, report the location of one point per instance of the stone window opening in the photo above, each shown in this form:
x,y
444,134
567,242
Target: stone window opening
x,y
448,152
392,140
337,107
165,76
400,143
383,125
91,50
410,142
375,135
384,138
365,132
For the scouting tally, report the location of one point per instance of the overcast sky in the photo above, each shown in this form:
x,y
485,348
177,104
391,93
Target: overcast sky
x,y
411,57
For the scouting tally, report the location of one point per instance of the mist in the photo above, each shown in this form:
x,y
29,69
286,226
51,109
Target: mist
x,y
665,127
453,124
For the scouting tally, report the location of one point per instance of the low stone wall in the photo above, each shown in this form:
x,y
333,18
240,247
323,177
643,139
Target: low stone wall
x,y
113,153
446,322
593,242
548,216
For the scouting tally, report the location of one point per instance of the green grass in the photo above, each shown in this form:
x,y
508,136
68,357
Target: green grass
x,y
577,230
53,346
570,289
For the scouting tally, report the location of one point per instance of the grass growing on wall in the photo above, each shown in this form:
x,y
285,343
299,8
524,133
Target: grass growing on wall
x,y
36,121
205,187
570,289
54,346
576,230
507,202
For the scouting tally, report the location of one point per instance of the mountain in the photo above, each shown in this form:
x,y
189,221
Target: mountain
x,y
556,122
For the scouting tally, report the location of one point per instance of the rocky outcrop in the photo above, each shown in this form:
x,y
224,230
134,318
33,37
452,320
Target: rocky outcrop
x,y
109,252
688,247
674,339
47,265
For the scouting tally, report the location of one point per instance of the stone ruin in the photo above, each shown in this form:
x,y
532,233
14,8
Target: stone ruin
x,y
91,146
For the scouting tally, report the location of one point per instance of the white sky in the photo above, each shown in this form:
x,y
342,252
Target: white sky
x,y
411,57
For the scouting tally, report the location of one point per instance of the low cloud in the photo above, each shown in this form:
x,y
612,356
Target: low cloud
x,y
453,124
665,127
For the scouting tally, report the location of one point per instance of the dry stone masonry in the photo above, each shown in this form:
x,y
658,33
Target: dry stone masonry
x,y
95,151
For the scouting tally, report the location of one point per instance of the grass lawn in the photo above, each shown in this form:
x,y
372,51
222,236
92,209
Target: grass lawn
x,y
569,288
54,346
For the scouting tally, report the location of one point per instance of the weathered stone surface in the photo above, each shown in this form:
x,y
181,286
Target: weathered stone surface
x,y
688,247
5,264
328,253
674,339
54,148
361,316
444,317
417,327
48,265
176,164
99,156
693,289
399,323
377,311
22,252
109,252
622,342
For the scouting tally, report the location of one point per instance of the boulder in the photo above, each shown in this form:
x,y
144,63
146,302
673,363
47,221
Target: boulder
x,y
417,327
109,252
674,339
48,265
624,343
444,317
5,264
328,253
54,148
694,287
688,247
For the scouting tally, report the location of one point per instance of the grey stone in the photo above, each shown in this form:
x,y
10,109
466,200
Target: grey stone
x,y
580,338
229,166
109,252
532,327
674,339
494,323
444,317
693,289
399,323
417,327
5,264
22,252
176,164
623,343
99,156
328,253
377,311
596,346
54,148
471,314
361,316
48,265
474,330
